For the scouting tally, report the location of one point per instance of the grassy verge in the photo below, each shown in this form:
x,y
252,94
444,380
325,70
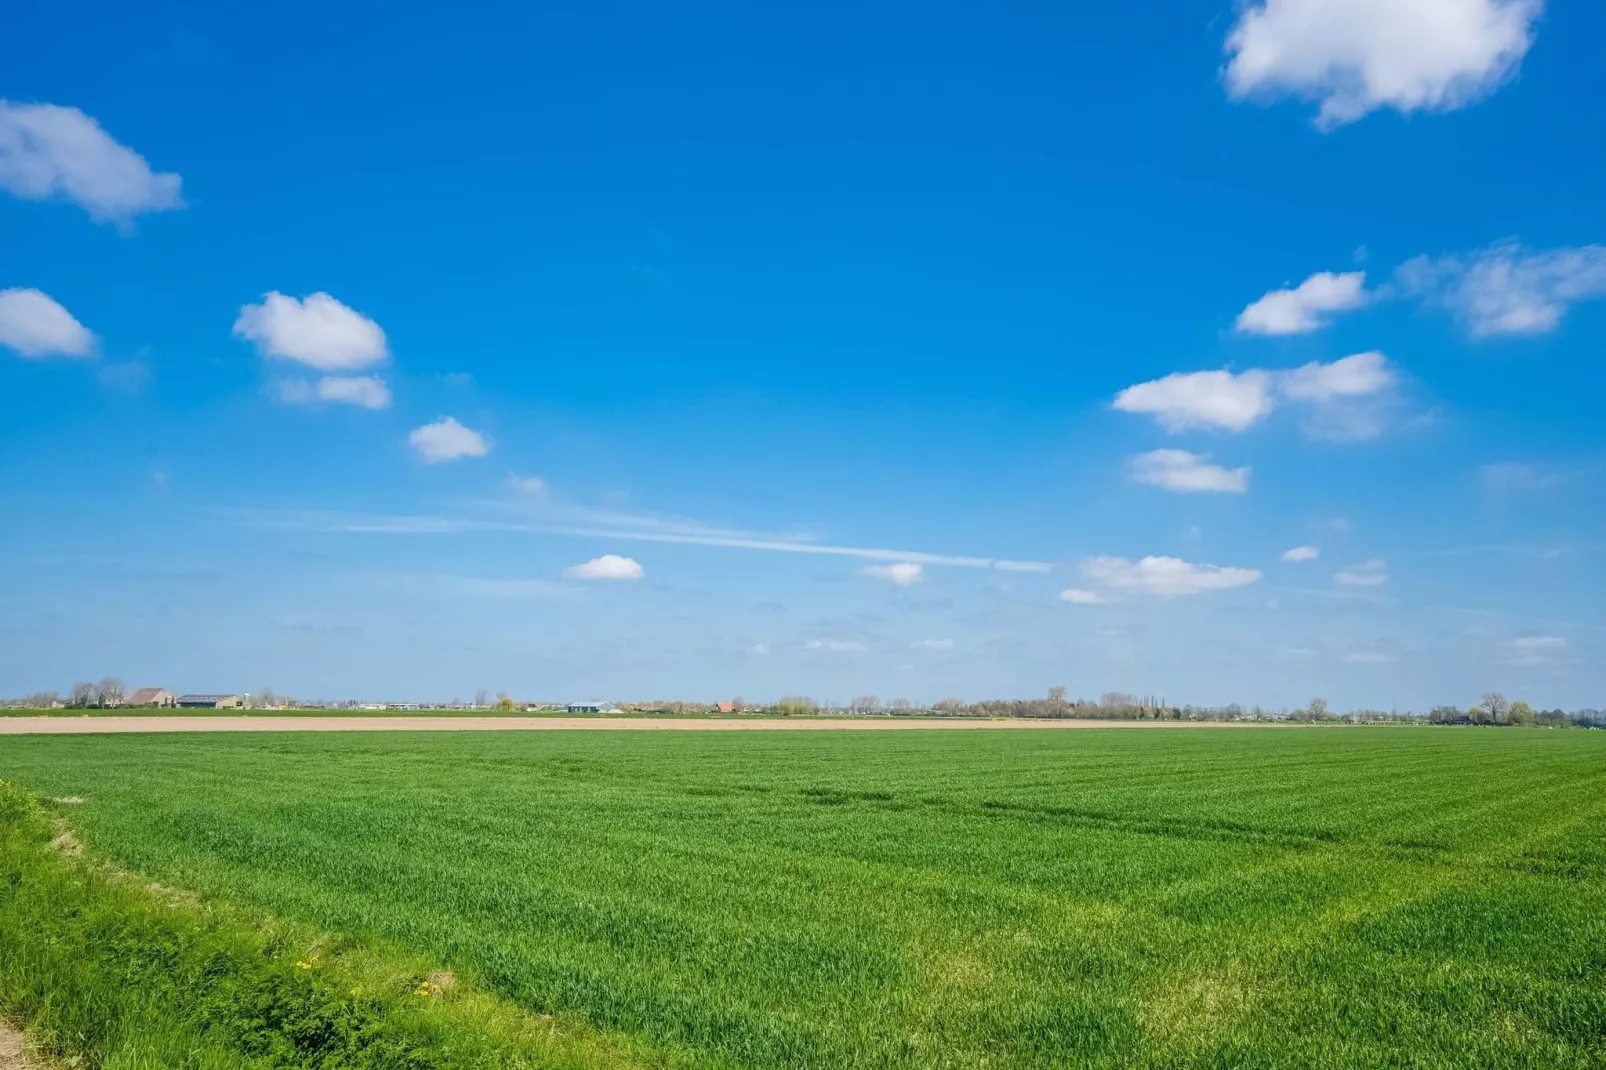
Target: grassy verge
x,y
110,972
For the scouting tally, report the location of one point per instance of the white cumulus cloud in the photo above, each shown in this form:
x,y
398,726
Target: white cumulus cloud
x,y
904,573
1081,597
1302,553
1371,573
318,331
48,151
1355,56
1165,575
366,391
35,325
1221,399
1306,307
1508,288
607,567
447,440
1182,471
1216,399
1353,376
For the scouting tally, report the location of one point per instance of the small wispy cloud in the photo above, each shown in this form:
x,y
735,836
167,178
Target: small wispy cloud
x,y
1185,472
1508,289
447,440
1346,399
933,644
1302,553
1535,650
902,574
1511,477
1184,401
528,485
35,325
474,586
1306,307
606,567
364,391
1164,576
836,646
1373,573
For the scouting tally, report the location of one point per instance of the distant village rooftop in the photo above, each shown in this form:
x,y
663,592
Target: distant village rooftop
x,y
211,702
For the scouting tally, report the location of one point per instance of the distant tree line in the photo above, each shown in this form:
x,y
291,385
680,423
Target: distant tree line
x,y
108,692
1493,708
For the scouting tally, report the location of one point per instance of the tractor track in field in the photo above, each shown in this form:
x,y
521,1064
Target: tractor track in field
x,y
32,726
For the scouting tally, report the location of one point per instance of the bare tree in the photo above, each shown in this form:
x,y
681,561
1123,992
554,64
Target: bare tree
x,y
899,704
480,696
43,700
1317,708
738,703
866,702
1497,705
1117,700
1056,695
82,694
950,706
110,691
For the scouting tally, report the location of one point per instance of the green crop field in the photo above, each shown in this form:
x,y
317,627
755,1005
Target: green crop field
x,y
1346,897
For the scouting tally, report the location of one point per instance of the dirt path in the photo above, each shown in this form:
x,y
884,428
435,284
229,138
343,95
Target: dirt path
x,y
29,726
13,1056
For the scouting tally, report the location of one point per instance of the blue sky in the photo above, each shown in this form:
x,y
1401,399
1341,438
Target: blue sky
x,y
917,350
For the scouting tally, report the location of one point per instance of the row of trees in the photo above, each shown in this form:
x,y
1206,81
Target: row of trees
x,y
1494,709
108,692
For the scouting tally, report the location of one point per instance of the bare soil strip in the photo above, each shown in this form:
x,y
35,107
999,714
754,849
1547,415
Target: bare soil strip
x,y
13,1055
32,726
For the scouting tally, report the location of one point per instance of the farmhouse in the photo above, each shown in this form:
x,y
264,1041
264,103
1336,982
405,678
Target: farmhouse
x,y
592,707
150,696
210,702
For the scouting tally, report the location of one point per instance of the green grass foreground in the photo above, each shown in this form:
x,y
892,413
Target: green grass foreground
x,y
1304,897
